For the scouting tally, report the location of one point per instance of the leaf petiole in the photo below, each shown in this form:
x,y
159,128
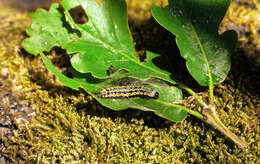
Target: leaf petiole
x,y
209,115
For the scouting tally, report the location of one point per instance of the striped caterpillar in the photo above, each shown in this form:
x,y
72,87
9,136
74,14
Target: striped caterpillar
x,y
127,92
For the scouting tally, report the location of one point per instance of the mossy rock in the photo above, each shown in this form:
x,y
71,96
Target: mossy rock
x,y
45,122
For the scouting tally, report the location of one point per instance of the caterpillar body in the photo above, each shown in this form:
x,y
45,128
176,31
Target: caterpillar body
x,y
127,92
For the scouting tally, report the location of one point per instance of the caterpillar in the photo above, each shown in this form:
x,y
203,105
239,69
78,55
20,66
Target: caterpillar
x,y
127,92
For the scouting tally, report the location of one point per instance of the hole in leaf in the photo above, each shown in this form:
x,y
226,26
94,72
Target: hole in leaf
x,y
142,55
66,25
111,70
79,15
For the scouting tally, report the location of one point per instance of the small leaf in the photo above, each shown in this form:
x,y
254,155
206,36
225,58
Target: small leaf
x,y
195,25
48,30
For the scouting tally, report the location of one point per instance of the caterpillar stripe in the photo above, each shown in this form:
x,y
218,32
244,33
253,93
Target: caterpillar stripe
x,y
128,91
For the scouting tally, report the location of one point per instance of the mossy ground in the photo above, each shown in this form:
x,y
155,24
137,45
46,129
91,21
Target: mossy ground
x,y
68,126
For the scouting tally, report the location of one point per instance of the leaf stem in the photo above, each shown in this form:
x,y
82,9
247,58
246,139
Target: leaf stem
x,y
209,116
211,93
209,112
200,102
191,92
196,114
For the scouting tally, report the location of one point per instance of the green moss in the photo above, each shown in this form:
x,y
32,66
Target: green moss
x,y
139,12
69,126
243,16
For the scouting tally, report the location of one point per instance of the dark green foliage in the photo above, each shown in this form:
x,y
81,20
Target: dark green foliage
x,y
195,25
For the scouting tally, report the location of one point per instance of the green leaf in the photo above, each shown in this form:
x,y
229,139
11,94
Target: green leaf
x,y
162,106
103,41
48,30
195,25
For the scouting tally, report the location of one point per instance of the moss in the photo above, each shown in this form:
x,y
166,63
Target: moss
x,y
69,126
243,16
141,11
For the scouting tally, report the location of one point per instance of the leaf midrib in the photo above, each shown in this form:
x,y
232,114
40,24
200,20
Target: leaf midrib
x,y
124,54
202,51
158,100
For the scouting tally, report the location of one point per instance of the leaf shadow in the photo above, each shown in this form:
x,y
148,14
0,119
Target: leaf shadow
x,y
153,37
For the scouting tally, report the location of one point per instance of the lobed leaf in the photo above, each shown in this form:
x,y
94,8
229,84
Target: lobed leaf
x,y
195,25
96,45
162,106
106,41
47,31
